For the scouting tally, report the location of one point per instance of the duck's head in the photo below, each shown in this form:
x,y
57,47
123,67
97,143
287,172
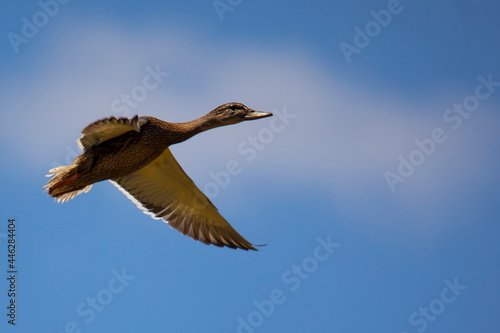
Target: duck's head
x,y
232,113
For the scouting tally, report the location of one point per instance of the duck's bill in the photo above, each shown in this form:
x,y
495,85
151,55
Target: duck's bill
x,y
253,114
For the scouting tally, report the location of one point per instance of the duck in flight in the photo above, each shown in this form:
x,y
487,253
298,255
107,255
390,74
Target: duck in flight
x,y
133,154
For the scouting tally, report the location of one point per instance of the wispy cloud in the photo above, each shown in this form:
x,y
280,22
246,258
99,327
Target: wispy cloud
x,y
346,134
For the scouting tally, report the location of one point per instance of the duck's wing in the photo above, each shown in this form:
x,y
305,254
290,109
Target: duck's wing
x,y
163,190
108,128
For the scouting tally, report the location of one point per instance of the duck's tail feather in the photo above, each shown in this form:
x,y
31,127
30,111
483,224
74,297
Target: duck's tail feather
x,y
62,186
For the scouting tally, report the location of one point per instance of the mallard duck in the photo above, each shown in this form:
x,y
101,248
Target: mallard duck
x,y
134,155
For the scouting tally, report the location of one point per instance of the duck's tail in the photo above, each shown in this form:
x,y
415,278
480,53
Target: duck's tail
x,y
62,185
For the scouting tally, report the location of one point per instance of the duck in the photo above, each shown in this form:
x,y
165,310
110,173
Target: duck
x,y
134,155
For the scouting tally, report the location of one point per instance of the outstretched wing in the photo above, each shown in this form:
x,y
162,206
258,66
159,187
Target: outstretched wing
x,y
163,190
108,128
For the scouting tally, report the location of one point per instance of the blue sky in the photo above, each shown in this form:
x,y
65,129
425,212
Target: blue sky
x,y
376,187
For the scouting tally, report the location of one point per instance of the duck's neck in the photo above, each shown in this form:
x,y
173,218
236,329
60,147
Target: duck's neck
x,y
189,129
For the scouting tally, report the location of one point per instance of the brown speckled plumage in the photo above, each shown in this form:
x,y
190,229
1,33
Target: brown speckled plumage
x,y
133,154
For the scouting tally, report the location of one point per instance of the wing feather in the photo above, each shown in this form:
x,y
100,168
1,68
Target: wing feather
x,y
163,190
108,128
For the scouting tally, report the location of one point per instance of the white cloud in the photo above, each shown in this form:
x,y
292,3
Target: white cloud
x,y
345,134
